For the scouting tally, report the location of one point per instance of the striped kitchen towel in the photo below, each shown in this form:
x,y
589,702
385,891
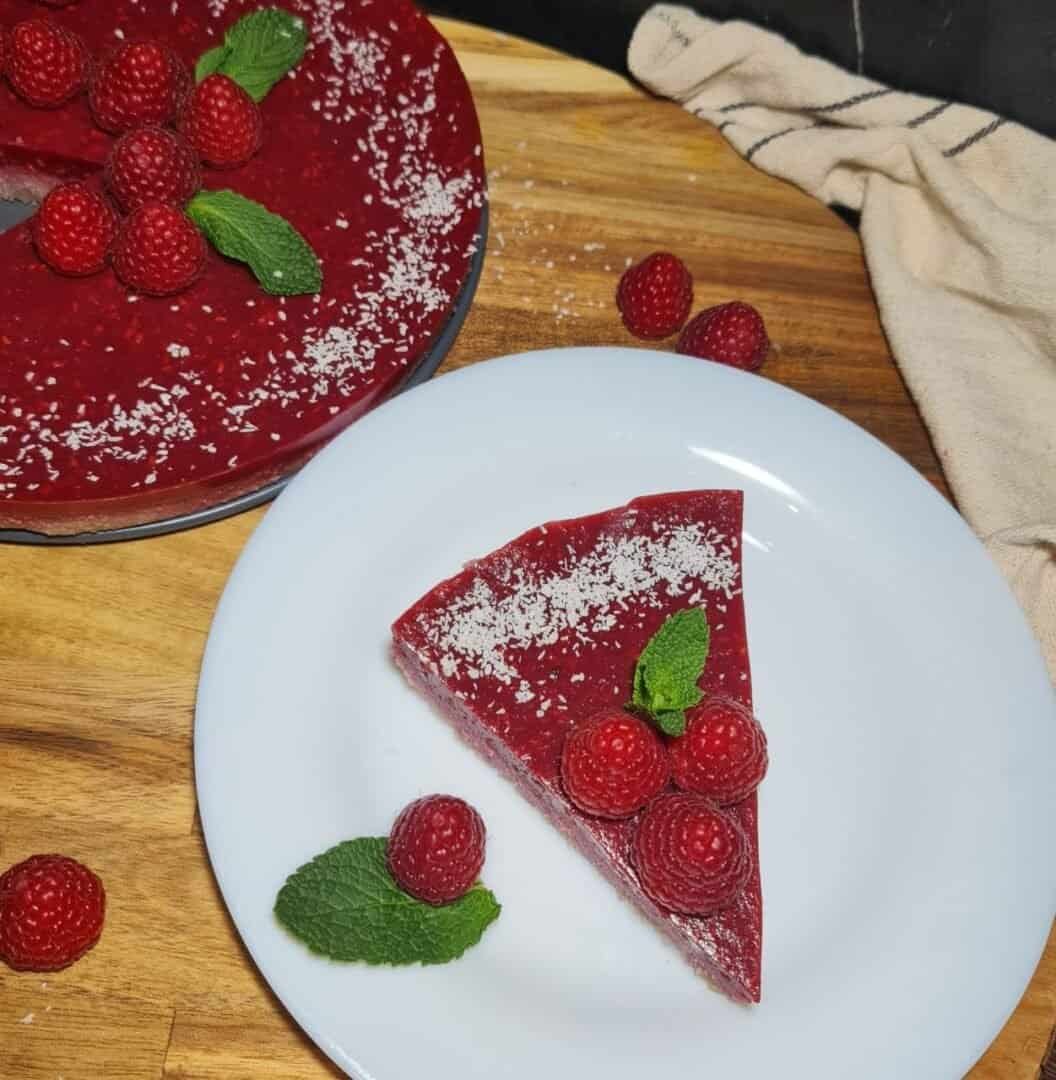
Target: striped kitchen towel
x,y
958,223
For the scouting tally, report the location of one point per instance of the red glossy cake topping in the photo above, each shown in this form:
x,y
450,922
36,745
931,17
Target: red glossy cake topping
x,y
116,407
532,640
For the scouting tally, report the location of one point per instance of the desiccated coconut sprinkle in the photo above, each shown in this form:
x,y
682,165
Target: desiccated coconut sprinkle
x,y
476,632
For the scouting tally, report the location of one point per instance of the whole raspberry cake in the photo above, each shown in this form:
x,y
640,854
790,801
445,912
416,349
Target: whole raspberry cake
x,y
530,641
118,408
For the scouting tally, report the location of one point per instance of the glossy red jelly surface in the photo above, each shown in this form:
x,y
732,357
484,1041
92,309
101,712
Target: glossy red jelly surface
x,y
115,408
547,629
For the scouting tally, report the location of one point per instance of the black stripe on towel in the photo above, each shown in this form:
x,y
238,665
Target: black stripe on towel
x,y
937,110
977,136
850,102
756,146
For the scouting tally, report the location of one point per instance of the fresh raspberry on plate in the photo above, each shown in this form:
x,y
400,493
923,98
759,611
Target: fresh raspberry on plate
x,y
730,333
152,163
723,752
613,763
655,295
690,855
159,251
222,122
139,82
436,848
73,229
51,913
45,64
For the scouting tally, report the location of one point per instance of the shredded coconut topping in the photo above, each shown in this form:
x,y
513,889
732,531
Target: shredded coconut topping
x,y
583,598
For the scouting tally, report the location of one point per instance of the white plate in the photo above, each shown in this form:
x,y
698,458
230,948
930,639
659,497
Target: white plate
x,y
906,824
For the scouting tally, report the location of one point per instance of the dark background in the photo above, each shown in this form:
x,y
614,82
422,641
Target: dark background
x,y
998,54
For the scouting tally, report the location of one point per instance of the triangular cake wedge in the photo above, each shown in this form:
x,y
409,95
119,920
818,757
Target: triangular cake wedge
x,y
544,631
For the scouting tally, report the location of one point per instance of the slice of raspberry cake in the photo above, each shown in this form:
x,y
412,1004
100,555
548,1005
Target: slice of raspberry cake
x,y
546,632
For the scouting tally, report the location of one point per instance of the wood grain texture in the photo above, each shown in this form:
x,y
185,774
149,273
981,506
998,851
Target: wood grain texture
x,y
100,646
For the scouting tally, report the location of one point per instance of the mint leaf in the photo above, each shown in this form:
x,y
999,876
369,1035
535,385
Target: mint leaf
x,y
669,667
639,695
671,722
242,229
210,61
345,905
258,51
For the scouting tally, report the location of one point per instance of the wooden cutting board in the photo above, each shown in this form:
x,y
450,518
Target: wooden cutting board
x,y
100,646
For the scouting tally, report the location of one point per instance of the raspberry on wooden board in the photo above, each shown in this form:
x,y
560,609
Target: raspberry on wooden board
x,y
731,334
52,910
655,295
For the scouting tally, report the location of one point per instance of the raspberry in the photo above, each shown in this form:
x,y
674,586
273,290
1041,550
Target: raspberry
x,y
45,64
613,763
139,82
159,251
722,754
51,913
654,296
152,163
731,333
73,229
222,122
691,856
436,848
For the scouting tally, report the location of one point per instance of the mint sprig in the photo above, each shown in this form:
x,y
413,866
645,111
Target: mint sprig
x,y
209,62
668,669
258,50
280,258
344,904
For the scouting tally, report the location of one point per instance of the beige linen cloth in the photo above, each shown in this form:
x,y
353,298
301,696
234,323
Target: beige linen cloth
x,y
958,222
